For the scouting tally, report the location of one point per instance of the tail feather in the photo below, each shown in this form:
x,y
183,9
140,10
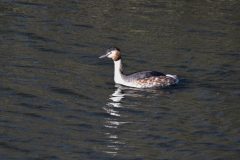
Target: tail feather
x,y
174,77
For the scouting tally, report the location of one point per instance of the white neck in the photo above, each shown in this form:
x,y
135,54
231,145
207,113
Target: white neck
x,y
118,75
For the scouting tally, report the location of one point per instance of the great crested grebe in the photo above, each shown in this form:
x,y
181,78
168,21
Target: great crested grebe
x,y
144,79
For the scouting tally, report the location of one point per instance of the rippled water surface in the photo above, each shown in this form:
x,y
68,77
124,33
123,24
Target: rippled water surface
x,y
59,101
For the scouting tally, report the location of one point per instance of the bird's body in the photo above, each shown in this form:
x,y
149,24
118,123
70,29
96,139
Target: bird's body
x,y
144,79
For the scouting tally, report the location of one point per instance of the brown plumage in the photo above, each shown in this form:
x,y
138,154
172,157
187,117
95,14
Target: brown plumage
x,y
159,81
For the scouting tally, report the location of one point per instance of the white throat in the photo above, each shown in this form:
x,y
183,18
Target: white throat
x,y
118,75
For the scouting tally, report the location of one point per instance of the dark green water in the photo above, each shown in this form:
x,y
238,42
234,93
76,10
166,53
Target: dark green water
x,y
58,100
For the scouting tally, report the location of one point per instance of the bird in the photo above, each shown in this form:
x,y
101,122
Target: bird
x,y
143,79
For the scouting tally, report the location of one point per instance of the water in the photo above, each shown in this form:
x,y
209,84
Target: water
x,y
58,100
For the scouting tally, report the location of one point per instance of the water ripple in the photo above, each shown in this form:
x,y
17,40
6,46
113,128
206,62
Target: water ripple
x,y
69,92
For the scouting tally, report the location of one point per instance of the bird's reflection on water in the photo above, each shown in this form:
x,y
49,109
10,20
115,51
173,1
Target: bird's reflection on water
x,y
115,120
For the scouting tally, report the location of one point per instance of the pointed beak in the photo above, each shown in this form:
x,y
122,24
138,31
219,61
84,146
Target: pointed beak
x,y
103,56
